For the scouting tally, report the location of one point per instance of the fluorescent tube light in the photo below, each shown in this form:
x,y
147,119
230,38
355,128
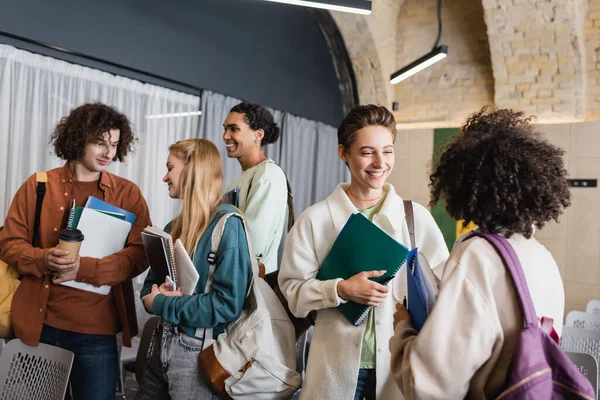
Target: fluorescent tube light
x,y
431,58
174,115
352,6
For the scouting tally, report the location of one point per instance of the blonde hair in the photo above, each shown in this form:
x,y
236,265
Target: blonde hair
x,y
201,183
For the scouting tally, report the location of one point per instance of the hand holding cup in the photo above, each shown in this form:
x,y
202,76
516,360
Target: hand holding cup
x,y
64,258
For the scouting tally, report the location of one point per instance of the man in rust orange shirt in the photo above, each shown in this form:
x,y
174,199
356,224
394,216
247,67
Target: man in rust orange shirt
x,y
86,323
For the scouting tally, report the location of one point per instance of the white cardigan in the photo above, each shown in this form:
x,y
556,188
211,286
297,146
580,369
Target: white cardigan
x,y
334,358
467,343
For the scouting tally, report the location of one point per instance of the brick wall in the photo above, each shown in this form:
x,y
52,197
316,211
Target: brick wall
x,y
592,42
540,56
445,93
371,44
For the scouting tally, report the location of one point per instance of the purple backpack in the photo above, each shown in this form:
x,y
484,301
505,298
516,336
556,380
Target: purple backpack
x,y
539,368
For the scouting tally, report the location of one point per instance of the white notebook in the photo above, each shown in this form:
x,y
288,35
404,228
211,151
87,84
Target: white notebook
x,y
104,235
186,270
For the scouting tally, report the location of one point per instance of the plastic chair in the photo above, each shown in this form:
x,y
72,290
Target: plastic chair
x,y
34,372
587,365
584,320
579,340
593,307
141,358
126,355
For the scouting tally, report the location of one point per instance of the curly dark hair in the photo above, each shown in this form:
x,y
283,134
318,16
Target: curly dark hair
x,y
87,123
500,174
362,116
258,117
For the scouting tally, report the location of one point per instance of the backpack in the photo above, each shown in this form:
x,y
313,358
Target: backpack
x,y
9,275
256,356
301,325
539,368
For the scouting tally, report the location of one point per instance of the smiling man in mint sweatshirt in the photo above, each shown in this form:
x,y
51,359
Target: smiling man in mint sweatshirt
x,y
263,189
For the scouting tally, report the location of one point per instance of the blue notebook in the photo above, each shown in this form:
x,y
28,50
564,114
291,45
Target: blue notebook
x,y
100,205
422,288
362,246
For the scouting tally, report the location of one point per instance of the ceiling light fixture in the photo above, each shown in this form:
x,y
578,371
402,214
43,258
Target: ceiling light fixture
x,y
436,54
351,6
174,115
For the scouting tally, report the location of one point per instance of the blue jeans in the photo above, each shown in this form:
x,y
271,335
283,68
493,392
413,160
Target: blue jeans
x,y
366,385
95,365
173,370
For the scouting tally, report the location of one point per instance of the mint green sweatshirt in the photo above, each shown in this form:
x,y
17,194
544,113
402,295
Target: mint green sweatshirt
x,y
263,200
233,274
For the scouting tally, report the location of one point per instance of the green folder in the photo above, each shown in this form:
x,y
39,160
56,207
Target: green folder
x,y
362,246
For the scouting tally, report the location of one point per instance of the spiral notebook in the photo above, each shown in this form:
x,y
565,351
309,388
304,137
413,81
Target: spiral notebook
x,y
104,235
362,246
160,252
168,259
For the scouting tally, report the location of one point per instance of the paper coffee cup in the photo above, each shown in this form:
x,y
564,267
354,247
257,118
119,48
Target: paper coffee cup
x,y
70,240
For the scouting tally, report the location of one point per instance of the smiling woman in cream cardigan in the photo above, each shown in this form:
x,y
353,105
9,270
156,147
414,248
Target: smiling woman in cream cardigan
x,y
346,361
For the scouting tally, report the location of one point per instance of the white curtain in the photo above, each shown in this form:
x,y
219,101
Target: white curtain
x,y
36,91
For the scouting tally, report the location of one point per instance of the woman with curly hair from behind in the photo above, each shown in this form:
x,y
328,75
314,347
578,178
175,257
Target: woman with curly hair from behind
x,y
500,174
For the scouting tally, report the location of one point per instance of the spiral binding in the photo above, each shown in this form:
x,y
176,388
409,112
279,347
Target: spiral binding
x,y
361,318
71,216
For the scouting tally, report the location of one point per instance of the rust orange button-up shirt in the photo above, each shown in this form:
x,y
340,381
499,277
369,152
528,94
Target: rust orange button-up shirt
x,y
117,270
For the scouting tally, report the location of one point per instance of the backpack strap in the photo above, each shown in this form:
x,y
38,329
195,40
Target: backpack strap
x,y
290,203
41,178
410,221
215,242
290,199
513,266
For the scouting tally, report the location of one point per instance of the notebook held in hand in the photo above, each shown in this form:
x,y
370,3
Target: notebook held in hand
x,y
362,246
168,259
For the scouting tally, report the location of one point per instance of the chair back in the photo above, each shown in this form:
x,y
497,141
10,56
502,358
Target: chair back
x,y
145,342
584,320
587,365
34,372
593,307
579,340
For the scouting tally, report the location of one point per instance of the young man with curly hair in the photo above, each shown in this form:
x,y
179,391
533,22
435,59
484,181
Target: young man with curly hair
x,y
86,323
499,174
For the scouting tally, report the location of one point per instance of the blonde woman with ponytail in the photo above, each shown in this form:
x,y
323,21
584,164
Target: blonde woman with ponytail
x,y
194,175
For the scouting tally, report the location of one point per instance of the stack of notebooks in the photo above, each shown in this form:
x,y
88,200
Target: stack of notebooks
x,y
169,260
362,246
106,228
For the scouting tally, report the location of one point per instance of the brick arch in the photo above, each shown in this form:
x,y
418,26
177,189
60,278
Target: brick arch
x,y
538,56
371,44
365,59
446,93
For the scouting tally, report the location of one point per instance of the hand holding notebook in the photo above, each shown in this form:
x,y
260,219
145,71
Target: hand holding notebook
x,y
362,246
105,234
169,260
